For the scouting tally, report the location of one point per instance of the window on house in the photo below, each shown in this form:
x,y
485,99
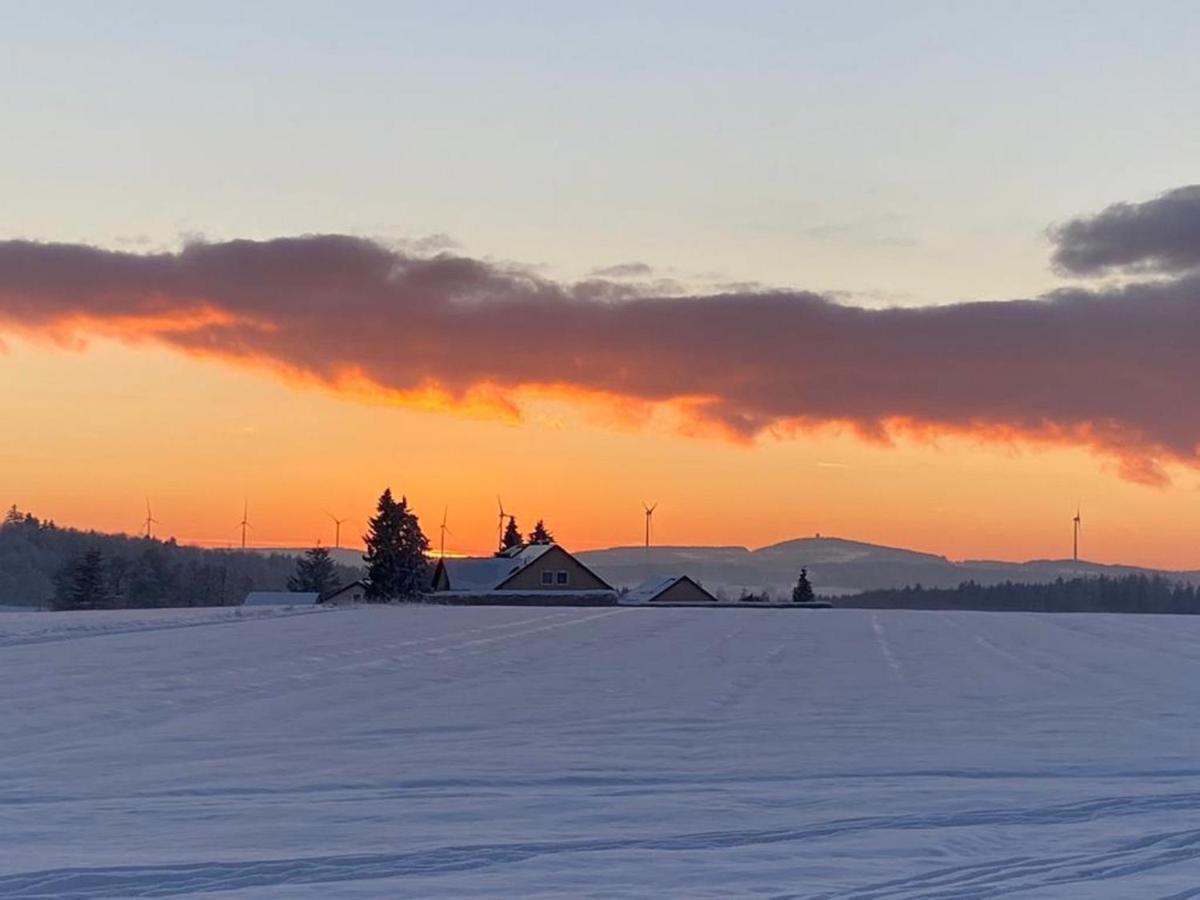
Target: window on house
x,y
562,578
547,578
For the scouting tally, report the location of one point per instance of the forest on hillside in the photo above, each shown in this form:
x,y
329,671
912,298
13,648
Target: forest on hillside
x,y
36,555
1123,594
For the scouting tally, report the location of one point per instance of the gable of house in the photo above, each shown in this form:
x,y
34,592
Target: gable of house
x,y
551,568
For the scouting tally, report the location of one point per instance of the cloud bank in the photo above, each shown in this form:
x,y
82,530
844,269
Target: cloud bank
x,y
1110,368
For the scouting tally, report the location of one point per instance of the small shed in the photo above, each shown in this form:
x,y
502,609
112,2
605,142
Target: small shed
x,y
669,589
281,598
354,592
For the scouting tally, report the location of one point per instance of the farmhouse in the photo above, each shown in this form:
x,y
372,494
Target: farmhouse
x,y
671,589
529,570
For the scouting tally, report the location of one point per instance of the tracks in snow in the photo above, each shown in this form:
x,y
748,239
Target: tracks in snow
x,y
989,878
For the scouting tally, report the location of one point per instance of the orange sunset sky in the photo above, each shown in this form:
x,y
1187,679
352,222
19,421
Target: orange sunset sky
x,y
928,279
101,426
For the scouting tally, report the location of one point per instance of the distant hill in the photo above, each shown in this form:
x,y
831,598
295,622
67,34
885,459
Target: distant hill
x,y
836,566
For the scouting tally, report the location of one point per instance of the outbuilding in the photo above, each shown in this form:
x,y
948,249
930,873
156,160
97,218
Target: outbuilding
x,y
354,592
668,589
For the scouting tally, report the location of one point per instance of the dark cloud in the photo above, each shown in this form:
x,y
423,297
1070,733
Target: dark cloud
x,y
623,270
1159,235
1110,369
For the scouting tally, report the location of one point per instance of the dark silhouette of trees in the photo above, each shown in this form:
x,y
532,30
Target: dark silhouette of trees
x,y
540,534
140,572
803,592
83,584
397,552
315,571
512,536
1124,594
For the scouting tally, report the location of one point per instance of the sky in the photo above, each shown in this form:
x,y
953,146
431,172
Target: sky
x,y
784,268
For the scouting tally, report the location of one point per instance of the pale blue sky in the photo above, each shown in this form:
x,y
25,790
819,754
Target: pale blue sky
x,y
911,151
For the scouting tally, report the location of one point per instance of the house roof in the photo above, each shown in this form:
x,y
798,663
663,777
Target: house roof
x,y
654,587
488,573
280,598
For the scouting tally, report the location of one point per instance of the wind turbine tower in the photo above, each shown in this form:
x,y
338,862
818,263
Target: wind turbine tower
x,y
245,523
500,527
445,531
150,521
649,515
1077,522
337,530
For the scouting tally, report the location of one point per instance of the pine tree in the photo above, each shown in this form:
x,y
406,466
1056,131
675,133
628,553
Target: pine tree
x,y
84,584
803,592
396,557
540,534
512,536
315,571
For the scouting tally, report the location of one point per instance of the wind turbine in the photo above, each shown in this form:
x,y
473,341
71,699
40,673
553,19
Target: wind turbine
x,y
500,527
445,531
649,514
1077,522
245,523
150,521
337,530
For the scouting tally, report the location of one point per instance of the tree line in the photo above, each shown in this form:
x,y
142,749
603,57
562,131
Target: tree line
x,y
42,564
1120,594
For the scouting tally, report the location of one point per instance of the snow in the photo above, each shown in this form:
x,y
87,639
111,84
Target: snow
x,y
432,751
281,598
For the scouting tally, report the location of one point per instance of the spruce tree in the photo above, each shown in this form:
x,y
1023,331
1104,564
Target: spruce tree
x,y
803,592
84,584
396,557
540,534
512,536
315,571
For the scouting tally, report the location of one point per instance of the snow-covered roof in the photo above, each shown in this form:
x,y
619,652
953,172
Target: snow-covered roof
x,y
487,573
280,598
650,588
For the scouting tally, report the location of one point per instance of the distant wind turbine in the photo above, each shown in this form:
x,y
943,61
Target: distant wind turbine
x,y
337,530
500,528
1077,522
245,523
445,531
649,515
150,521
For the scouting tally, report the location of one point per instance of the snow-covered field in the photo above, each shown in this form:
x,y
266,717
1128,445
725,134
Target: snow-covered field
x,y
462,752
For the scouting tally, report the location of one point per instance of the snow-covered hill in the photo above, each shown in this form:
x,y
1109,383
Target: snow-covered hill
x,y
471,752
835,566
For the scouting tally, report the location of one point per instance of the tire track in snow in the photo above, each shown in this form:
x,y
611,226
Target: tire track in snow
x,y
885,648
981,880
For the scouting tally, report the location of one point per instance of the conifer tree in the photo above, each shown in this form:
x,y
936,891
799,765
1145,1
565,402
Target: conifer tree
x,y
396,557
540,534
84,584
512,536
315,571
803,592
